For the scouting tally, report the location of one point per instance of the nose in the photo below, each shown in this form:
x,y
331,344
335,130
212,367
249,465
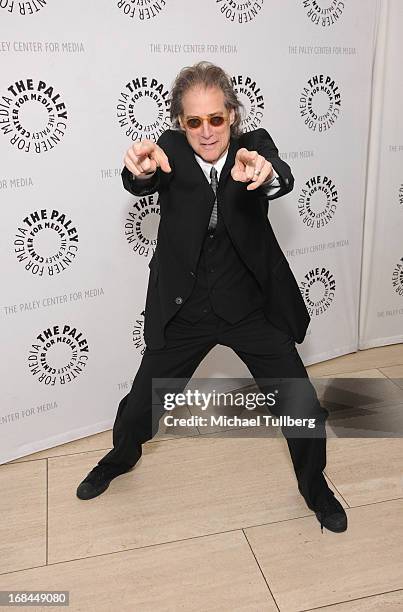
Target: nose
x,y
206,129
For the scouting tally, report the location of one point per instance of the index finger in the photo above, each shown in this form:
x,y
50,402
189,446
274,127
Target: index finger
x,y
248,156
143,148
161,159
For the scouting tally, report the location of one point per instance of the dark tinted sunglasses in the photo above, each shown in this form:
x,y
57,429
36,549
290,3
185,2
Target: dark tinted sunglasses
x,y
193,123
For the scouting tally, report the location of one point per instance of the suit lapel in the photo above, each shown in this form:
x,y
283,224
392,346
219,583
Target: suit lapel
x,y
229,162
192,168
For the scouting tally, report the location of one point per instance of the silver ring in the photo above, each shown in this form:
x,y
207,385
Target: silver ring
x,y
257,172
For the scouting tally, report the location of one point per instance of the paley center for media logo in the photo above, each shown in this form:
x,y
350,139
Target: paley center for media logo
x,y
58,355
46,242
23,8
320,102
138,334
251,96
397,278
318,289
143,10
317,201
141,225
240,12
324,13
33,115
143,108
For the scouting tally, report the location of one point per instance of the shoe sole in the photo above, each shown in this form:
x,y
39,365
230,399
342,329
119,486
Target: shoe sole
x,y
336,529
340,529
85,492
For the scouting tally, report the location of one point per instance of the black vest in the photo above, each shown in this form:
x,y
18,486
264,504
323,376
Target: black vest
x,y
223,283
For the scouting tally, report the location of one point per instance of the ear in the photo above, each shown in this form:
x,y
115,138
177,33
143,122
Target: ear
x,y
231,116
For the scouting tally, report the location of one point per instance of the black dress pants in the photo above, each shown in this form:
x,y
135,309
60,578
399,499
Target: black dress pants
x,y
267,351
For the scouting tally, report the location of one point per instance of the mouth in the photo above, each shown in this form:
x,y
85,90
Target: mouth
x,y
208,145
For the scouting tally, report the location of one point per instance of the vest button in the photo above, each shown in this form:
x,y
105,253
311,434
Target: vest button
x,y
178,300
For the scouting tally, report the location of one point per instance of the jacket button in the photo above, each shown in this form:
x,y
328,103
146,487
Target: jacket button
x,y
178,300
192,274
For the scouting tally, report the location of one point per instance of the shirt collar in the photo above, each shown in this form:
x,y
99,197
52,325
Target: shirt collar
x,y
206,166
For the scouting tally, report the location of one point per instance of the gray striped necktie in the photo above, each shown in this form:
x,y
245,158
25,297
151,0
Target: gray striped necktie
x,y
213,178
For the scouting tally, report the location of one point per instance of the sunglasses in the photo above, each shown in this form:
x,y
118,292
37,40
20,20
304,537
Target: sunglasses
x,y
194,123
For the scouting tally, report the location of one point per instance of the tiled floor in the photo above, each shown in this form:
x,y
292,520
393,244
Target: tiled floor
x,y
211,522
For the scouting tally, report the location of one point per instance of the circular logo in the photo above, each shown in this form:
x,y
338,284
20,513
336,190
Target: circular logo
x,y
22,8
143,10
143,109
138,334
46,242
397,278
240,12
320,103
317,202
251,96
318,290
324,13
141,225
33,116
58,355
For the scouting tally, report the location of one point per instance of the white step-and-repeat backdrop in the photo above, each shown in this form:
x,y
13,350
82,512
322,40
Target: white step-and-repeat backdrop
x,y
381,311
79,82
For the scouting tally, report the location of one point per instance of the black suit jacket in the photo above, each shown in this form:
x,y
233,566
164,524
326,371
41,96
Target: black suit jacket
x,y
186,200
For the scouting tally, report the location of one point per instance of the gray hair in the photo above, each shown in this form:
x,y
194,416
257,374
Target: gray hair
x,y
207,75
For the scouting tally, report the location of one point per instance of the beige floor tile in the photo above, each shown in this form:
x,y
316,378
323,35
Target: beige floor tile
x,y
99,441
392,371
361,360
389,602
23,515
306,568
366,470
178,489
372,373
217,573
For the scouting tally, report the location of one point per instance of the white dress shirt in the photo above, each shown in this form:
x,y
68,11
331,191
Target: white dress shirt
x,y
270,186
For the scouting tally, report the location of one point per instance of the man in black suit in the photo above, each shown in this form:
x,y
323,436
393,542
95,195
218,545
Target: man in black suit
x,y
218,276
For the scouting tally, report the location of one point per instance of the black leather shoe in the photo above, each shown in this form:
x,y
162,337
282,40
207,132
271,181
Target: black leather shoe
x,y
330,513
98,480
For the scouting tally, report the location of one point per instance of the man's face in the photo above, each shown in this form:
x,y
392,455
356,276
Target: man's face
x,y
208,141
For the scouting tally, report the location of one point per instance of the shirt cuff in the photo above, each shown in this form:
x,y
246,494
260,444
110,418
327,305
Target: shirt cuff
x,y
273,181
271,187
143,178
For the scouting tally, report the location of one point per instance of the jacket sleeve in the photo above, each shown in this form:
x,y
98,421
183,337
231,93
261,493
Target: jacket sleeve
x,y
140,187
147,186
265,146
